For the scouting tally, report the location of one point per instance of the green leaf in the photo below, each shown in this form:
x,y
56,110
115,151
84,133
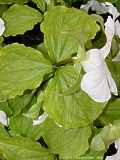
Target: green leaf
x,y
34,110
107,135
23,126
15,148
66,31
3,132
21,68
20,102
41,4
68,143
20,125
92,156
12,1
112,111
4,106
114,67
41,47
3,8
66,103
18,19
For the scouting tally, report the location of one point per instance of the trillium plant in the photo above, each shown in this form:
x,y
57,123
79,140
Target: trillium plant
x,y
59,80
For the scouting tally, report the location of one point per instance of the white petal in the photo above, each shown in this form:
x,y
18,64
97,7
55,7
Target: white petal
x,y
111,82
117,28
109,31
117,144
114,157
40,119
2,27
112,10
88,5
95,6
93,60
3,118
95,84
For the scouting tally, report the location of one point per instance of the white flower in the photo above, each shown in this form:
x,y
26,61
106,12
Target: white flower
x,y
40,119
3,118
95,6
98,82
117,155
2,27
102,8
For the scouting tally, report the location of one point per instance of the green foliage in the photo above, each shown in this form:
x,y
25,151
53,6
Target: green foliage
x,y
70,107
21,68
27,17
23,149
12,1
66,31
44,77
65,142
107,135
41,4
93,156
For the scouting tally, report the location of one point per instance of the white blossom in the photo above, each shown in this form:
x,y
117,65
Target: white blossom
x,y
97,81
40,119
102,8
3,118
2,27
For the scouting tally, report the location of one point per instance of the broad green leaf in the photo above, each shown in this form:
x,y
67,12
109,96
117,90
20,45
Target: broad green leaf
x,y
112,111
114,67
18,148
66,31
18,19
12,1
41,47
21,68
34,110
23,126
66,103
107,135
20,125
18,103
4,106
41,4
68,143
114,48
92,156
3,8
3,132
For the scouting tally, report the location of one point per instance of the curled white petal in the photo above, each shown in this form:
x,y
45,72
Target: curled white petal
x,y
3,118
88,5
40,119
117,28
112,10
109,32
2,27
